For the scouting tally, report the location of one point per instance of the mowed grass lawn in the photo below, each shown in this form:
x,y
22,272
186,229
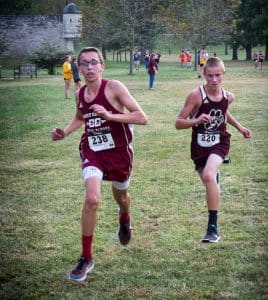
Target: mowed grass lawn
x,y
41,194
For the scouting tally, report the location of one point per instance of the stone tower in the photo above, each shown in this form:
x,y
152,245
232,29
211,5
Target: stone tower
x,y
72,24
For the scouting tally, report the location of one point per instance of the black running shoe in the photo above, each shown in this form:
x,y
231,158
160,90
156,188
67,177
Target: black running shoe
x,y
83,266
212,235
227,160
124,233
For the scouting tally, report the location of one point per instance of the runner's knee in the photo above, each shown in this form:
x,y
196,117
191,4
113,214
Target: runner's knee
x,y
208,176
91,202
121,197
123,200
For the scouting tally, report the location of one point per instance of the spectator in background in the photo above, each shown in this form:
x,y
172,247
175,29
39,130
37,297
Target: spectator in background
x,y
188,59
76,77
198,64
203,59
182,58
146,58
157,57
261,59
67,75
136,60
255,59
152,70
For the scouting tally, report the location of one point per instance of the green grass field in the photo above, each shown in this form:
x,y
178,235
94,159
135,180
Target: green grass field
x,y
41,196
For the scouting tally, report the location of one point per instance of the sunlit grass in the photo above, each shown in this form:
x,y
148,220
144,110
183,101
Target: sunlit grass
x,y
42,192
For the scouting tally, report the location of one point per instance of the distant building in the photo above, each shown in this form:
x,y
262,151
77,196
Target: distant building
x,y
28,33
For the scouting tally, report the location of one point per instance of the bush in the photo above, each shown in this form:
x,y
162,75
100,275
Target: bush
x,y
48,57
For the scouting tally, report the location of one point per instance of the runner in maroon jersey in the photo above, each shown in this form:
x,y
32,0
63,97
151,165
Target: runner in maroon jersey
x,y
206,111
105,148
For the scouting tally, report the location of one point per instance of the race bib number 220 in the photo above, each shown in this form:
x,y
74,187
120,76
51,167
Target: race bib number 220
x,y
208,139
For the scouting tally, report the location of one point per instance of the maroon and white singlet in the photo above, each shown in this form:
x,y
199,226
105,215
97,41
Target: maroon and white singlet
x,y
211,137
105,144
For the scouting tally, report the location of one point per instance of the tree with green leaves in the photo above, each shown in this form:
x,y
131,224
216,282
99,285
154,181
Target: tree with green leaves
x,y
33,7
121,24
200,22
47,57
260,21
139,24
251,25
100,25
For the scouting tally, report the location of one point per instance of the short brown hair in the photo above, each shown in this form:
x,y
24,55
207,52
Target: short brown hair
x,y
214,62
67,57
91,49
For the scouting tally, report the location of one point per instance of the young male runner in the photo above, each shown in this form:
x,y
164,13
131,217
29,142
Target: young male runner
x,y
206,111
106,109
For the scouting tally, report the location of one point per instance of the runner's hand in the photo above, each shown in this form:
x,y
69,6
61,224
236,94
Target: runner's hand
x,y
100,111
57,134
203,118
246,132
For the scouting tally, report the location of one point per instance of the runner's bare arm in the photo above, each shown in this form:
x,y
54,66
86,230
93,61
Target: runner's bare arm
x,y
74,124
119,97
192,103
232,121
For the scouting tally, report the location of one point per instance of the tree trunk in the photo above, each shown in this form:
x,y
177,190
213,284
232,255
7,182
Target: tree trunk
x,y
266,50
130,61
248,49
131,53
118,55
195,57
51,70
143,48
104,52
225,48
235,50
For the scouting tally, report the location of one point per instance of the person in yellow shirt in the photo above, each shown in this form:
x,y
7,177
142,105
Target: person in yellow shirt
x,y
67,75
203,59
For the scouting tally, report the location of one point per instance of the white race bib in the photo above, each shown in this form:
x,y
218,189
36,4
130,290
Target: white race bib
x,y
101,142
208,139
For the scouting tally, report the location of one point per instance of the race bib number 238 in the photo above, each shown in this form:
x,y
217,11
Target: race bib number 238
x,y
101,142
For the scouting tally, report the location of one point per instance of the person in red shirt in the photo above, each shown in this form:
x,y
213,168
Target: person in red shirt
x,y
152,70
188,59
106,110
182,58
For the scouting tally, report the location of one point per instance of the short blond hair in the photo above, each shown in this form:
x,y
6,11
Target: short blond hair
x,y
214,62
90,49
